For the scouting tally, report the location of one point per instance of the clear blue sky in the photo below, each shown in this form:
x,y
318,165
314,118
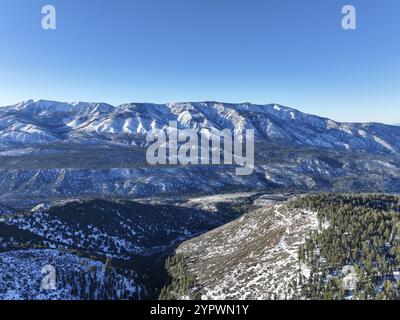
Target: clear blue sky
x,y
292,52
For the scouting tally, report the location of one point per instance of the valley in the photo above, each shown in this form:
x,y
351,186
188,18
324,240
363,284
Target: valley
x,y
130,239
232,246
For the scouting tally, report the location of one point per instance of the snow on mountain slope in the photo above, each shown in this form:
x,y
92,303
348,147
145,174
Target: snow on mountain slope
x,y
130,122
27,135
62,150
114,229
253,257
44,122
76,278
63,109
100,249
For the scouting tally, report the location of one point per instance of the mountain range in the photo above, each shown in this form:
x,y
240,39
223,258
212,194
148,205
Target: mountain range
x,y
59,150
77,193
46,122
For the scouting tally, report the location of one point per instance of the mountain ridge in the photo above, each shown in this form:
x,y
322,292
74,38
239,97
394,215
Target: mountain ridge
x,y
78,102
60,150
42,121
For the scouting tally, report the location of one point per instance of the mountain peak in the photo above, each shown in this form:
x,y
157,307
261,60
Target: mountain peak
x,y
129,123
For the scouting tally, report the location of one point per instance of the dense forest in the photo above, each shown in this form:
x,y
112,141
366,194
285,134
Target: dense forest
x,y
183,283
355,253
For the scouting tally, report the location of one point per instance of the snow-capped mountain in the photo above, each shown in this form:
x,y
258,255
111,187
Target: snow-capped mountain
x,y
63,150
45,122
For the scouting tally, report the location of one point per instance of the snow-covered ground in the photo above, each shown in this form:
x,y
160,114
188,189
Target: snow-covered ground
x,y
51,150
254,257
25,274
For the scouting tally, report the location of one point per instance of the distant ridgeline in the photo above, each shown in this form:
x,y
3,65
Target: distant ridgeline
x,y
59,150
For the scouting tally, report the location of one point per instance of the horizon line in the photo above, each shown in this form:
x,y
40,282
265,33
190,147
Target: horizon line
x,y
204,101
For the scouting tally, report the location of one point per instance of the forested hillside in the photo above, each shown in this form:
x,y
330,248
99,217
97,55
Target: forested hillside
x,y
359,234
315,246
